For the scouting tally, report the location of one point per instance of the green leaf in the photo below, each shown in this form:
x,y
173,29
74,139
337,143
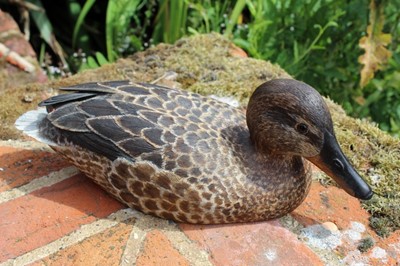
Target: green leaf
x,y
46,29
118,15
101,59
237,11
295,50
92,62
170,21
85,10
42,22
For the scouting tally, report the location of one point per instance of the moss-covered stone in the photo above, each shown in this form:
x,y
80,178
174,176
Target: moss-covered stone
x,y
376,155
207,64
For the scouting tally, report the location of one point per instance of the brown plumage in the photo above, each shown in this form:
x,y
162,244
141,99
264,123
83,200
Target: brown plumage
x,y
185,157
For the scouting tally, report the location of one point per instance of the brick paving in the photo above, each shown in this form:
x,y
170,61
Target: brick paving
x,y
53,215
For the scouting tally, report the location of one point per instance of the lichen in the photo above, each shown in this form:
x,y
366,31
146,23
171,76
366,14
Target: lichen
x,y
206,64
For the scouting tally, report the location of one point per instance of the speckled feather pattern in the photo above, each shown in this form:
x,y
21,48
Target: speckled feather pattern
x,y
175,154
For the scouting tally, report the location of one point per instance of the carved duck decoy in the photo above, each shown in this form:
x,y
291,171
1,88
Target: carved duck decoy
x,y
189,158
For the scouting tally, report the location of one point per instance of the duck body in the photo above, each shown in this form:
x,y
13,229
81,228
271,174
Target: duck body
x,y
176,154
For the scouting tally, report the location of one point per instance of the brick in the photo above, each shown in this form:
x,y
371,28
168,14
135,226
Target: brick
x,y
330,204
392,245
335,205
264,243
22,166
105,248
159,251
7,23
12,37
49,213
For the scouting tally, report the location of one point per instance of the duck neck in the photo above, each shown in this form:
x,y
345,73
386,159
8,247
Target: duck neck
x,y
282,167
278,184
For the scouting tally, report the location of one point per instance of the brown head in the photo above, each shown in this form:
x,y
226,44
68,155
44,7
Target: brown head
x,y
289,117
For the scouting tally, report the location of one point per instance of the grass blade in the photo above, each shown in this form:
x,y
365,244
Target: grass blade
x,y
85,10
237,10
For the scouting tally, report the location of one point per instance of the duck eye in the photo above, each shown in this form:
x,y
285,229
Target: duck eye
x,y
302,128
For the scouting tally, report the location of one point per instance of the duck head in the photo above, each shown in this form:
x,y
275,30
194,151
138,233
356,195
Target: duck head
x,y
289,117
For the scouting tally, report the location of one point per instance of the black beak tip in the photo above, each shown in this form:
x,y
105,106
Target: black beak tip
x,y
366,196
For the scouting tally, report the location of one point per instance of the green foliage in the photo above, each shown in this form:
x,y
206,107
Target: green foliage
x,y
118,32
170,22
382,98
45,28
236,13
307,43
76,9
295,36
118,17
208,16
94,61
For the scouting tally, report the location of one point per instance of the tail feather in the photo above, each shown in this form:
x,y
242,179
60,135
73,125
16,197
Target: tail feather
x,y
29,123
82,92
66,98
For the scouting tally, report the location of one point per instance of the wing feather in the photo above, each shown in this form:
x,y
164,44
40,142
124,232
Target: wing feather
x,y
120,119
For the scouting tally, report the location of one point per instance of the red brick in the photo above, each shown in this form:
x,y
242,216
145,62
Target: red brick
x,y
22,166
47,214
330,204
158,251
105,248
335,205
7,23
265,243
12,37
392,246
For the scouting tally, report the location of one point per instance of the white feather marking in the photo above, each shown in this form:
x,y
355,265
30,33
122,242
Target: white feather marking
x,y
226,99
29,122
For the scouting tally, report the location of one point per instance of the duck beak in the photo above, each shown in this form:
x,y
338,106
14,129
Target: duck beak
x,y
334,163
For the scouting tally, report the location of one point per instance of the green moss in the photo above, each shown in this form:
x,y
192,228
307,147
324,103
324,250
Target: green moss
x,y
205,64
366,244
12,105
